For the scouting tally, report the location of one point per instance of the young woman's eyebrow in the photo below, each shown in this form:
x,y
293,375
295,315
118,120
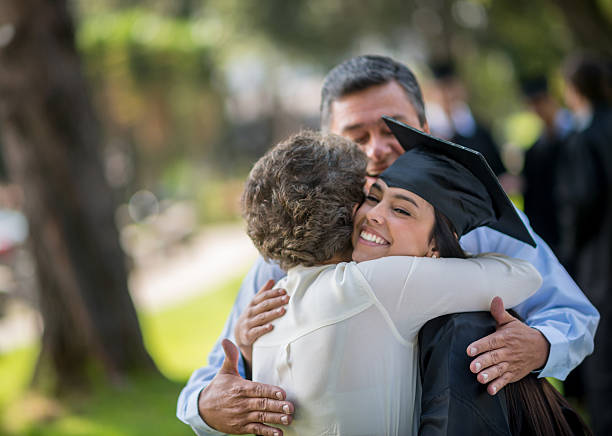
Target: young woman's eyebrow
x,y
403,197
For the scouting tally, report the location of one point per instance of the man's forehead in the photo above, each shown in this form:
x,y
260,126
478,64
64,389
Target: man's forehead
x,y
358,123
366,107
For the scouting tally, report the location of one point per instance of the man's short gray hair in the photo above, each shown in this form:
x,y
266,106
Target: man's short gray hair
x,y
363,72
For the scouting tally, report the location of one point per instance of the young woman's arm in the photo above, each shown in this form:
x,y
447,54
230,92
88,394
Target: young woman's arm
x,y
416,289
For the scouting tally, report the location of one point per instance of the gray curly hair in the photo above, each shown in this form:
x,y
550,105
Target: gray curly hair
x,y
298,200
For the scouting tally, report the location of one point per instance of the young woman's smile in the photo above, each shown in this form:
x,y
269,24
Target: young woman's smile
x,y
392,222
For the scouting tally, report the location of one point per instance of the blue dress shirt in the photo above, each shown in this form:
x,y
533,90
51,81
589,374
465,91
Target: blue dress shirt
x,y
559,310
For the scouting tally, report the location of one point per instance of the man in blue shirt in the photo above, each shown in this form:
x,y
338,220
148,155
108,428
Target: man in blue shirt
x,y
559,321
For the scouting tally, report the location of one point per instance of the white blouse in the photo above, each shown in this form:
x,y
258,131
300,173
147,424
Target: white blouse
x,y
346,350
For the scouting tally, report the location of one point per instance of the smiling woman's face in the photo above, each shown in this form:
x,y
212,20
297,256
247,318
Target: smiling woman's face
x,y
392,222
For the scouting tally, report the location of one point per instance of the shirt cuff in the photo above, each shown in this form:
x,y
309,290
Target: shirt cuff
x,y
194,419
556,365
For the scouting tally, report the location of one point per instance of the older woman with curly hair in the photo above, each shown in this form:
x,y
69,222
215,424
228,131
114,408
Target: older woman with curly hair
x,y
346,349
300,198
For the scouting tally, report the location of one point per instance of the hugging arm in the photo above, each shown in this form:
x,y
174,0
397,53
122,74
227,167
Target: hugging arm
x,y
451,402
416,289
254,322
192,400
559,325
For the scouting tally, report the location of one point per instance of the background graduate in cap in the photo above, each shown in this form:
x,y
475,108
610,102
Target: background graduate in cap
x,y
451,118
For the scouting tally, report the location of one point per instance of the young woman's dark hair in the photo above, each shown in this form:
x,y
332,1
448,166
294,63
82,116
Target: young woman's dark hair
x,y
535,407
446,238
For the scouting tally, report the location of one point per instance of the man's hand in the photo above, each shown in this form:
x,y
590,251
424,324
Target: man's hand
x,y
509,354
255,320
231,404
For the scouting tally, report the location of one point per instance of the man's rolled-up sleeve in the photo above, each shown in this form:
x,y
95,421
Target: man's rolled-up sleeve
x,y
559,309
187,405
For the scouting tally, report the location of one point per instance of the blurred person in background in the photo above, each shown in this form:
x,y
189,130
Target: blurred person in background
x,y
542,159
451,118
585,200
556,336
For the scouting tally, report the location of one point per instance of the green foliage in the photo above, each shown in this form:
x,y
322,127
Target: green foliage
x,y
16,368
490,78
323,31
152,84
217,197
219,201
523,129
164,72
606,8
533,34
157,47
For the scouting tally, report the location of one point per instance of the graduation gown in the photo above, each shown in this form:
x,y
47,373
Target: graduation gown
x,y
482,141
585,199
540,173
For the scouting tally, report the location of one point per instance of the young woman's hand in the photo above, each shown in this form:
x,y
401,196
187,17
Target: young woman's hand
x,y
266,306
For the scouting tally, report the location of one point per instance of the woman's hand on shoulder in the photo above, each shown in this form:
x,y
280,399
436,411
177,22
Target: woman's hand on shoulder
x,y
254,322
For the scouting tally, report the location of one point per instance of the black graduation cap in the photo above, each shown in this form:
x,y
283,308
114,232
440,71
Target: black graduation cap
x,y
456,180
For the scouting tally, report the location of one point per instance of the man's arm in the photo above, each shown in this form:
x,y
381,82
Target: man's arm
x,y
187,406
559,312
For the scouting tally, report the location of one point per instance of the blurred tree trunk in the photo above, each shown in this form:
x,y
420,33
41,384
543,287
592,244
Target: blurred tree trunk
x,y
51,139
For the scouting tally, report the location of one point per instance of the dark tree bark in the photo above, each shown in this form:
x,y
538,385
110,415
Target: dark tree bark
x,y
51,141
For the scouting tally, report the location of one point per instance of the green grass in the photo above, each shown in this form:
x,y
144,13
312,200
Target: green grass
x,y
179,339
16,368
145,406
